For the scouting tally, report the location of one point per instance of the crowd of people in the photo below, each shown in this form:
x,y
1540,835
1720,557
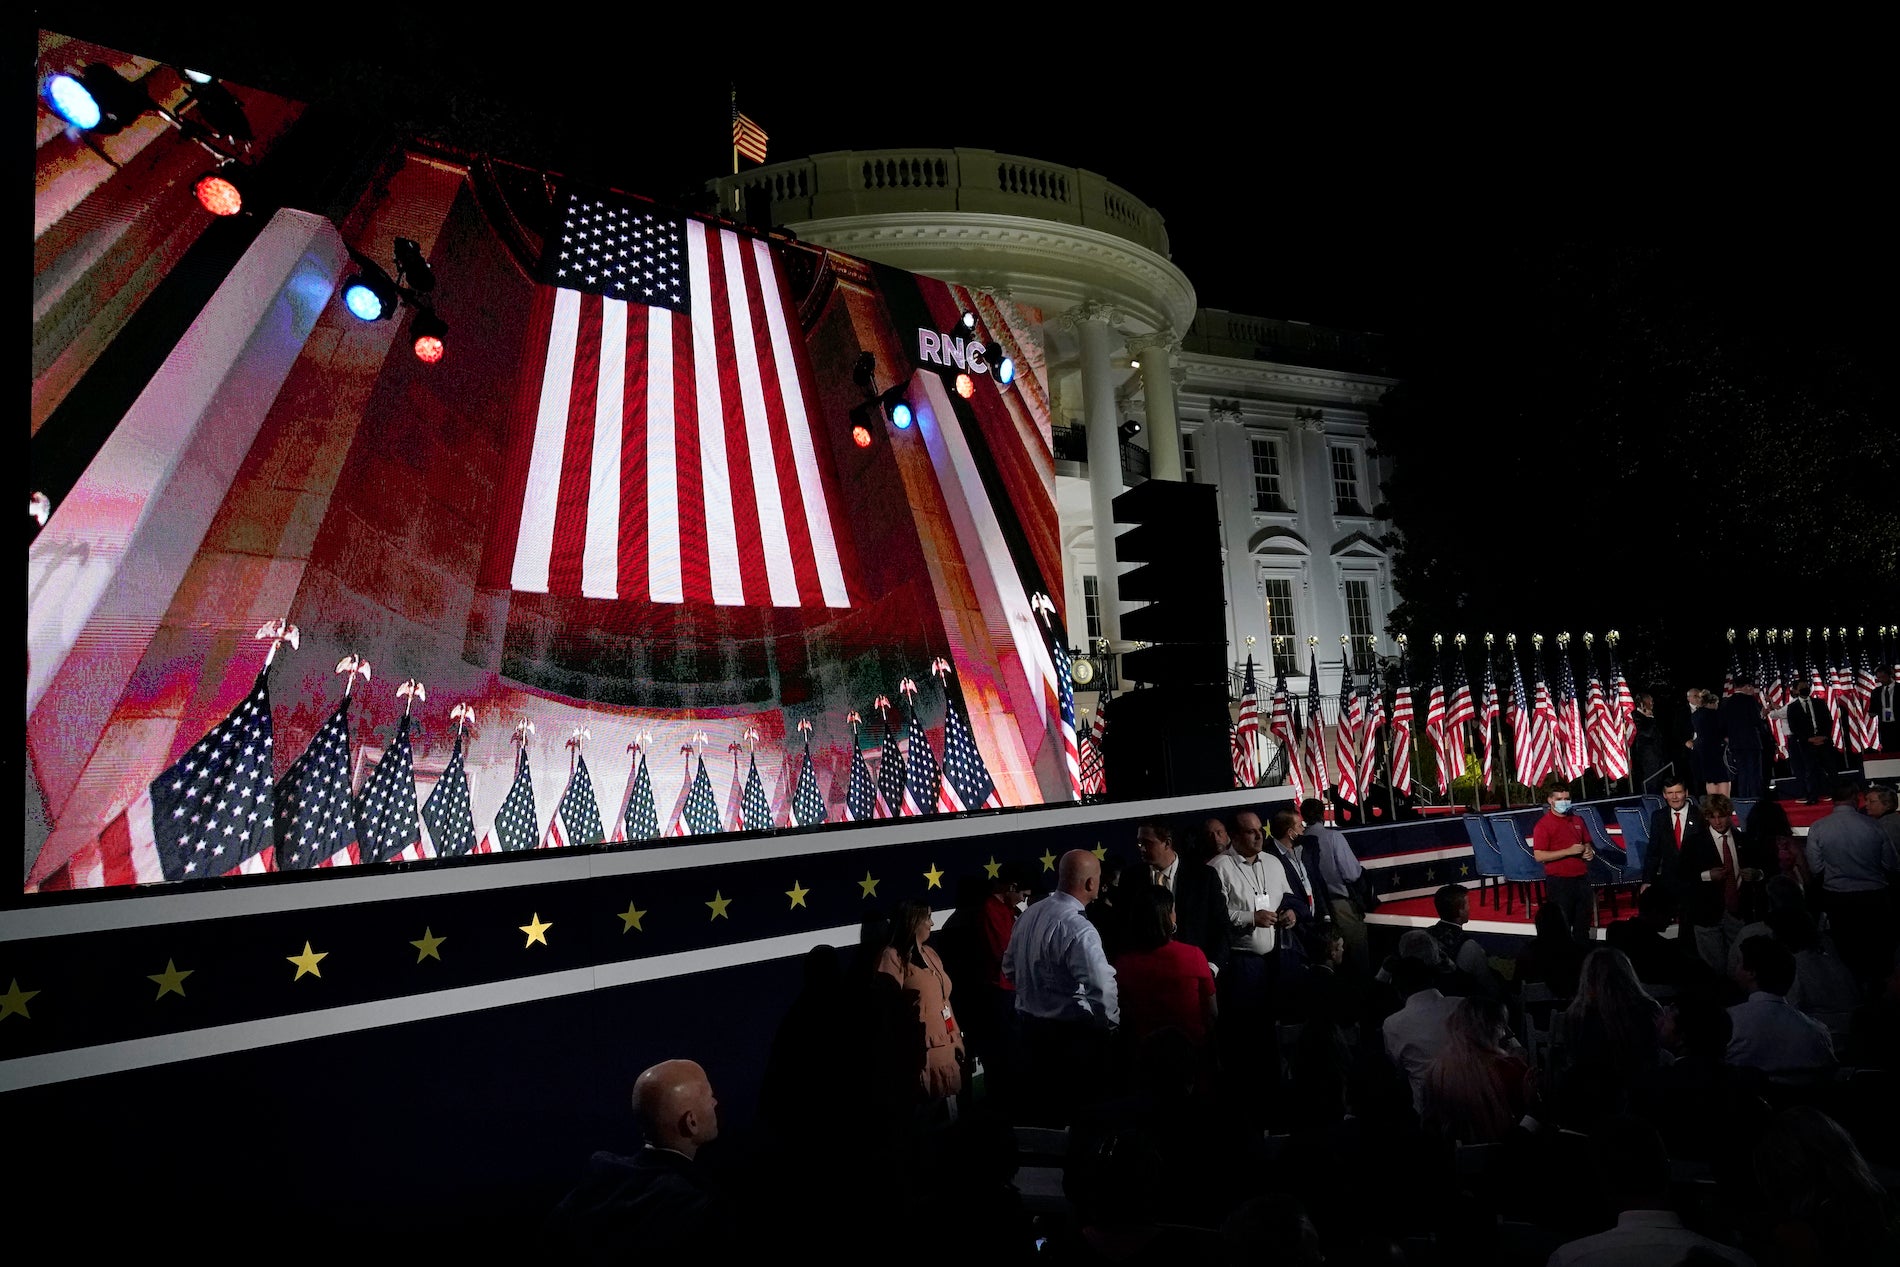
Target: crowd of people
x,y
1238,1073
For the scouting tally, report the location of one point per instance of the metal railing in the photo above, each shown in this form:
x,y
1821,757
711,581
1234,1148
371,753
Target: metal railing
x,y
1071,444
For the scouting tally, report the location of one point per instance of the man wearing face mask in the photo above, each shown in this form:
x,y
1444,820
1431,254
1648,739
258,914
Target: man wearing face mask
x,y
1562,843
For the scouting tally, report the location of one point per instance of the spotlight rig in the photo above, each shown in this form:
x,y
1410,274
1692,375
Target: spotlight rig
x,y
371,294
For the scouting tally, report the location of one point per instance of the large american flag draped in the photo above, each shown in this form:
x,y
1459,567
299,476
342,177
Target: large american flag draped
x,y
1247,732
1866,714
673,458
1094,777
860,794
1400,736
576,818
1573,744
447,813
920,787
1545,744
639,817
1459,710
808,807
966,783
1603,728
316,812
1346,734
1063,689
891,775
755,809
1435,724
1488,721
387,822
515,822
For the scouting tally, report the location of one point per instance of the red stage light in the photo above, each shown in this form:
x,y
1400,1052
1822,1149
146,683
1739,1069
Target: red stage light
x,y
965,386
861,436
217,195
428,349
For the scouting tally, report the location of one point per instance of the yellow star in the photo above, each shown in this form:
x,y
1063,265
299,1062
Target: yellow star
x,y
536,930
1464,869
307,962
719,905
868,885
1101,852
15,1000
170,981
1048,861
992,868
430,947
933,877
630,919
797,895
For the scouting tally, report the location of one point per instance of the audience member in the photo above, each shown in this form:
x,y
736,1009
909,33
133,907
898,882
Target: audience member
x,y
1065,990
1416,1033
1252,887
1811,753
1705,1107
1474,1090
1163,981
1823,986
1759,902
1200,909
1629,1162
991,1033
1105,911
1642,938
936,1052
1554,957
1881,805
1668,827
1820,1201
1716,857
1344,878
1215,838
979,1213
1856,863
1768,824
1612,1038
1562,843
1462,950
1306,904
1770,1033
660,1200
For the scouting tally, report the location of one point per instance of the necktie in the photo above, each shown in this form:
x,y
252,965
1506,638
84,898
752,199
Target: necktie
x,y
1731,882
1678,829
1161,877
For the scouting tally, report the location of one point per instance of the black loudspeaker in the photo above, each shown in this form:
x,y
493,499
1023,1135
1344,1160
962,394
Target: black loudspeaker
x,y
1176,540
1167,742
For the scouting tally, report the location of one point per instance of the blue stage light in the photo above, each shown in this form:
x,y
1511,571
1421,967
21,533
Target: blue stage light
x,y
1006,371
69,99
363,301
900,415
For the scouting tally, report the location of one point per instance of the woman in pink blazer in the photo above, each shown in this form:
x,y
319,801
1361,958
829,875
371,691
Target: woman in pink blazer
x,y
926,988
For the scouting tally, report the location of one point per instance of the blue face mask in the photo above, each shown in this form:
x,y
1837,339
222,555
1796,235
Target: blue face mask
x,y
1560,807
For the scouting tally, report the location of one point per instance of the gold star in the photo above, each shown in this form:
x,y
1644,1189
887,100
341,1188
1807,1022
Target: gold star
x,y
933,877
719,905
430,947
170,981
15,1000
630,919
307,962
1430,875
1100,851
1048,861
1463,869
797,895
992,868
868,885
536,930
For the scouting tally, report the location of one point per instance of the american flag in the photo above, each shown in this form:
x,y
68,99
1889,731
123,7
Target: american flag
x,y
1488,720
1866,718
387,824
1775,691
755,809
448,813
210,813
1734,669
1400,735
891,776
673,458
1280,724
1065,708
1840,696
1315,749
1623,700
639,817
1094,776
735,810
1238,755
860,794
1604,730
1546,745
1346,735
1573,744
1533,756
966,780
576,819
747,137
808,807
920,788
314,802
1459,711
1435,726
515,824
1247,732
699,815
1369,732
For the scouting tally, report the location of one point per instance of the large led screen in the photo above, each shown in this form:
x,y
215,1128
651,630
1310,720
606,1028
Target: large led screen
x,y
687,531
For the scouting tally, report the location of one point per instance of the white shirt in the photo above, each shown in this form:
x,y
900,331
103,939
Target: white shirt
x,y
1725,851
1413,1036
1243,883
1774,1036
1165,876
1642,1238
1055,961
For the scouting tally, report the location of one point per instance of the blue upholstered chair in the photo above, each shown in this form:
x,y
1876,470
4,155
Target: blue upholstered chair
x,y
1484,851
1742,807
1520,869
1606,869
1635,842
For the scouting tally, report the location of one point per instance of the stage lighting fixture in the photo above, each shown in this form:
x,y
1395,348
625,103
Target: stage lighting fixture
x,y
1130,429
116,101
219,110
1000,365
966,386
861,436
221,190
66,97
195,76
862,371
967,323
428,331
1133,364
411,267
896,408
369,293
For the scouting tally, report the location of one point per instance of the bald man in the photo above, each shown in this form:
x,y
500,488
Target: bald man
x,y
659,1200
1065,990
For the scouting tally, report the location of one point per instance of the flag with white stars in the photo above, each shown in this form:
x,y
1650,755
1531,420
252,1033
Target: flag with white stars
x,y
386,819
966,783
755,811
1065,711
639,817
700,815
923,779
860,794
735,800
516,823
891,775
315,809
808,807
1094,776
674,458
577,818
447,812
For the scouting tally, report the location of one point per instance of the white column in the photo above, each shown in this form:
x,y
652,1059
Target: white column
x,y
1091,322
1156,354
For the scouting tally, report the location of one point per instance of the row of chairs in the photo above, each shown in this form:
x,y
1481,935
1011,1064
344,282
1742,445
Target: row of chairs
x,y
1504,861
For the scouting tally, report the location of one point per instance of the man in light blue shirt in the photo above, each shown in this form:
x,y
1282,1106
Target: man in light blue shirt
x,y
1856,863
1340,869
1065,992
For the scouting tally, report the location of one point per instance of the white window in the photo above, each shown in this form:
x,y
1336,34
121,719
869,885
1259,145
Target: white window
x,y
1092,607
1282,630
1359,623
1190,460
1346,482
1266,473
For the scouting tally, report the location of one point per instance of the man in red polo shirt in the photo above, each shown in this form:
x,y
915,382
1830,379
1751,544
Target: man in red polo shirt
x,y
1562,843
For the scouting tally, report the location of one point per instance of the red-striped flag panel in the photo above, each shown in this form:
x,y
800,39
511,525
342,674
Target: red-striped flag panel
x,y
673,457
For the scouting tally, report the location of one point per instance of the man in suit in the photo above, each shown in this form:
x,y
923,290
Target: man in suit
x,y
1200,909
1886,709
1667,828
1306,896
1717,857
1744,721
1811,746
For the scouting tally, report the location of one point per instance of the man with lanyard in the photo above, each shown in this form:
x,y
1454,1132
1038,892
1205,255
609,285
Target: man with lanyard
x,y
1562,843
1306,897
1254,888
